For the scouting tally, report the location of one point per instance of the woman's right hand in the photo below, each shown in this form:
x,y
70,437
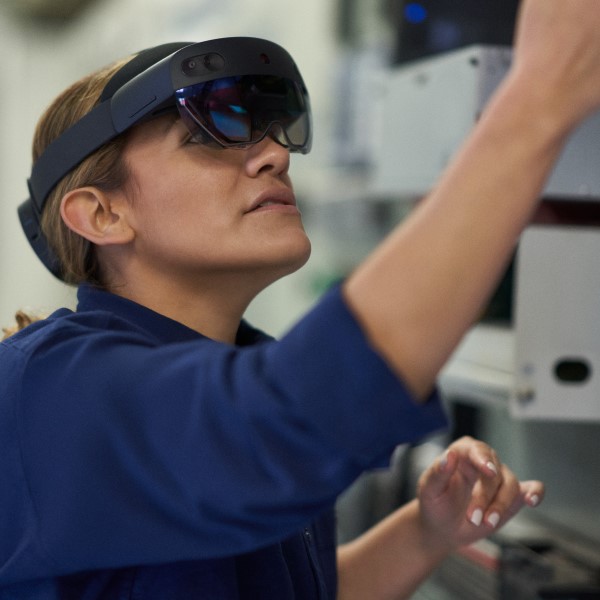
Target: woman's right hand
x,y
557,51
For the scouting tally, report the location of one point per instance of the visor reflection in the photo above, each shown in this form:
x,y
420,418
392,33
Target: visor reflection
x,y
243,110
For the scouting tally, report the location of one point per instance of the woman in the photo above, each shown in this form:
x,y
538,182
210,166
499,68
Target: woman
x,y
158,446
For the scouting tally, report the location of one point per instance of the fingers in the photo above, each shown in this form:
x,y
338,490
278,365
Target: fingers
x,y
494,492
493,509
445,472
531,493
492,499
460,468
480,455
570,65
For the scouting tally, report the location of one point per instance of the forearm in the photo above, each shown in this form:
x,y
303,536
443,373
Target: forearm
x,y
390,561
419,292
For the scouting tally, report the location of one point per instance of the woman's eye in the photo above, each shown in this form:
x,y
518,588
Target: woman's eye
x,y
201,138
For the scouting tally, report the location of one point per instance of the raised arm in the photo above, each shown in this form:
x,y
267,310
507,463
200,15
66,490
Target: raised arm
x,y
418,293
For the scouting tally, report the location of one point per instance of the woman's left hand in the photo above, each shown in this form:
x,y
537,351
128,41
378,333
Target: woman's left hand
x,y
468,493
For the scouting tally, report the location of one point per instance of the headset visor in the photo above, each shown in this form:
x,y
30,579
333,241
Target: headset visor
x,y
240,111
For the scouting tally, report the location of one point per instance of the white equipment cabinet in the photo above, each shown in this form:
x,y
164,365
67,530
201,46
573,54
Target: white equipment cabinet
x,y
426,109
557,325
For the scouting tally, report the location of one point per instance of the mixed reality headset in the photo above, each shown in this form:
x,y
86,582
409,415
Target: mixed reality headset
x,y
230,92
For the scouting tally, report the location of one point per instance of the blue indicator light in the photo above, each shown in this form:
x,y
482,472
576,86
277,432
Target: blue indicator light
x,y
415,13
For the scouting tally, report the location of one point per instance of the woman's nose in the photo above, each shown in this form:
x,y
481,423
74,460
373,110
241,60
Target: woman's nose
x,y
267,156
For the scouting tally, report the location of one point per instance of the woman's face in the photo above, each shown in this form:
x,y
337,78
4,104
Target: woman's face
x,y
199,210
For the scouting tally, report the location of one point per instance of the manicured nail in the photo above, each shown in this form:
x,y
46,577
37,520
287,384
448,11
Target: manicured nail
x,y
534,500
491,466
477,517
444,461
494,519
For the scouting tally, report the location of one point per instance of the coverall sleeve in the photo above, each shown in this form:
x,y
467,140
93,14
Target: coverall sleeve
x,y
137,453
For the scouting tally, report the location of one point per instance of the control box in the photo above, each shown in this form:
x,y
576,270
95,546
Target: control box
x,y
557,324
425,110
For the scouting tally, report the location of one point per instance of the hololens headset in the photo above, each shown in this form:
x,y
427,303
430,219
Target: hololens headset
x,y
230,92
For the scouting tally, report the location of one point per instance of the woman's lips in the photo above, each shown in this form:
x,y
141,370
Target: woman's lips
x,y
281,200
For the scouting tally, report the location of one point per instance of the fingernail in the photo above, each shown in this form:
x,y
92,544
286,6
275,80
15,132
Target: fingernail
x,y
444,461
494,519
477,517
491,466
534,500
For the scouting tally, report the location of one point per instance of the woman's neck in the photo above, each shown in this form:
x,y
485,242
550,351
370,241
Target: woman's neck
x,y
213,309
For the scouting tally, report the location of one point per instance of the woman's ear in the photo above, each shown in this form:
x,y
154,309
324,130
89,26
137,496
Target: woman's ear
x,y
97,216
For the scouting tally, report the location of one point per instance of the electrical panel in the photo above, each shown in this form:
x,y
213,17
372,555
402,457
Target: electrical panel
x,y
427,108
557,324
